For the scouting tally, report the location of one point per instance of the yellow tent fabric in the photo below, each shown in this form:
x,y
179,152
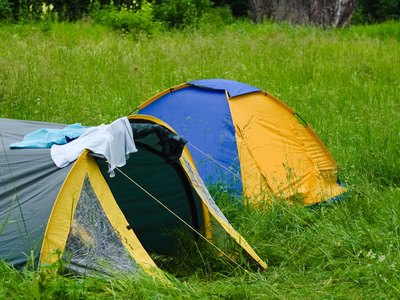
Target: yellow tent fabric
x,y
291,161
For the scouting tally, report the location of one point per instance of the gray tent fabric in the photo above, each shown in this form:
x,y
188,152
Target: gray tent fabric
x,y
29,184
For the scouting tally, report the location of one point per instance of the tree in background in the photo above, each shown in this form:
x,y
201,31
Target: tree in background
x,y
336,13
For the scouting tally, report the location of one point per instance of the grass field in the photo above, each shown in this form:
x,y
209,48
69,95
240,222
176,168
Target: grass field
x,y
345,83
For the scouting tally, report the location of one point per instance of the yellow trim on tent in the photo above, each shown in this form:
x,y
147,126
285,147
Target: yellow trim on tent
x,y
154,98
152,119
59,224
278,102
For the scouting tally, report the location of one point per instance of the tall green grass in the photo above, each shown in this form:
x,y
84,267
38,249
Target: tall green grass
x,y
345,83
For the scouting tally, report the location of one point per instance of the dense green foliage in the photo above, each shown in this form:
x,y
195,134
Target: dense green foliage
x,y
178,13
171,13
345,83
240,8
128,19
370,11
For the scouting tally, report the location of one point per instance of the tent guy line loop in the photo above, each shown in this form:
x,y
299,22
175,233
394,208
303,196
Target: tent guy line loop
x,y
280,205
184,222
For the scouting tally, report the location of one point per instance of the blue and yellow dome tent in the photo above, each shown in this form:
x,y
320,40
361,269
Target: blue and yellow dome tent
x,y
249,141
95,222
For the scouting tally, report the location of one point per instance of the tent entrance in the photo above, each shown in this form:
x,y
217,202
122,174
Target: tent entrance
x,y
155,226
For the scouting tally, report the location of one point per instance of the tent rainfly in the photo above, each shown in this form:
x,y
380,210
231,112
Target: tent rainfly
x,y
96,221
248,141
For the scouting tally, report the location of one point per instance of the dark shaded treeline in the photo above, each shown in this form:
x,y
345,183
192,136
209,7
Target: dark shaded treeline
x,y
175,13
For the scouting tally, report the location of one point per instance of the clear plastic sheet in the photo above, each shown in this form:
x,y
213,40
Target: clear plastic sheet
x,y
92,244
203,190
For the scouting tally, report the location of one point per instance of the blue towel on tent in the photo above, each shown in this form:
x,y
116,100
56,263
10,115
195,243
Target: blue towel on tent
x,y
45,138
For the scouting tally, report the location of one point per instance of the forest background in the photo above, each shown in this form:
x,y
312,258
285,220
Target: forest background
x,y
171,13
93,62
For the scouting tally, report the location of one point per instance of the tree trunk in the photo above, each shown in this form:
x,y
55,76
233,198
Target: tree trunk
x,y
328,13
257,10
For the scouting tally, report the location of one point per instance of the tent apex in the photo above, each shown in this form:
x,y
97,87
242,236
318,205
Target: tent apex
x,y
234,88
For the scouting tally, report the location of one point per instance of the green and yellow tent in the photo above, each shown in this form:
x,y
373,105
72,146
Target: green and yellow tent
x,y
92,220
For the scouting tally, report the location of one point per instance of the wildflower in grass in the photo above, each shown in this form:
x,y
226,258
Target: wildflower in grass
x,y
381,258
47,8
371,254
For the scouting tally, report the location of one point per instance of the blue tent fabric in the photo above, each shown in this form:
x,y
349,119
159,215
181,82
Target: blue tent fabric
x,y
208,128
233,88
46,137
